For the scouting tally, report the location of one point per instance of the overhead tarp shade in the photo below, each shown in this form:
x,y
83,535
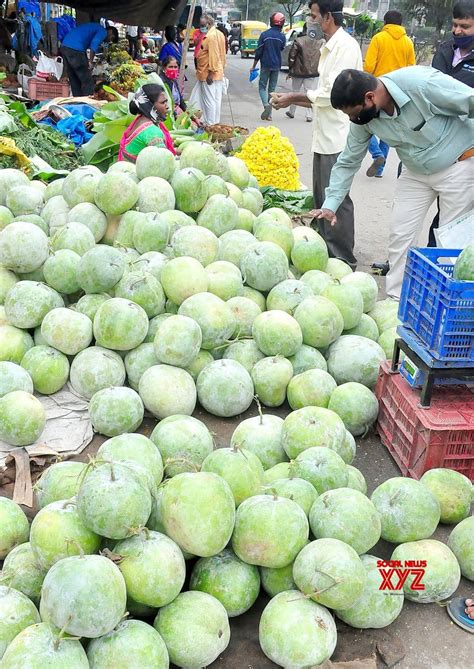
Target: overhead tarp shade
x,y
150,13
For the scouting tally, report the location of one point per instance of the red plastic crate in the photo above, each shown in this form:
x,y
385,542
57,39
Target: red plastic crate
x,y
47,90
419,439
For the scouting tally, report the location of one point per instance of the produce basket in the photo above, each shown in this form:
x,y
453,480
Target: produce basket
x,y
38,89
438,309
419,439
221,133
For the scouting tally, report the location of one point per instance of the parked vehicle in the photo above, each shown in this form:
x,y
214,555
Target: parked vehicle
x,y
251,31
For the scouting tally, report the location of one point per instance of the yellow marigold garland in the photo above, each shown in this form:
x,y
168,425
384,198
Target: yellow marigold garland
x,y
271,158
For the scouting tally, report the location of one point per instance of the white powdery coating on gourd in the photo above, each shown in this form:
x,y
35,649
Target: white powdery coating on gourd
x,y
23,247
66,330
269,531
375,608
57,532
277,333
22,418
233,582
167,391
120,324
16,613
114,499
153,568
296,632
198,512
84,596
178,341
195,242
132,643
441,575
300,491
264,265
213,316
13,377
330,572
59,481
311,388
322,467
408,510
310,427
347,515
28,302
241,469
39,645
96,368
225,388
320,320
73,236
14,524
114,411
262,436
461,542
195,629
271,377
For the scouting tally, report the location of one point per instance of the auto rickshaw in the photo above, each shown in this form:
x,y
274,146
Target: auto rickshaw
x,y
250,32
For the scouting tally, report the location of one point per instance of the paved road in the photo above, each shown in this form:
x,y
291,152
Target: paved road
x,y
372,197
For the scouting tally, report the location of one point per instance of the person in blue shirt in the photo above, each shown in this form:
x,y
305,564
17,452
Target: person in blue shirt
x,y
87,37
270,45
171,47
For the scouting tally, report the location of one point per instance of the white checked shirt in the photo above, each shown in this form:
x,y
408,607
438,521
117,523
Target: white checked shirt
x,y
330,126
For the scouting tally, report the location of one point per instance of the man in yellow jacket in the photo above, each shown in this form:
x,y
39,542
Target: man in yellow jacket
x,y
389,50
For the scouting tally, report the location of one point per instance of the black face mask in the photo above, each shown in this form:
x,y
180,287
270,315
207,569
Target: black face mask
x,y
366,115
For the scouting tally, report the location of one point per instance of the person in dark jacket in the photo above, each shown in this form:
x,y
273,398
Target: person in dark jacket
x,y
270,45
456,58
303,61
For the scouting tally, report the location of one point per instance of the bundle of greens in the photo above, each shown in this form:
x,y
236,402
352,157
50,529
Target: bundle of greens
x,y
36,140
294,202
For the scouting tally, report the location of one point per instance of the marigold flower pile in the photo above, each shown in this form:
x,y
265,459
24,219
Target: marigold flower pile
x,y
271,158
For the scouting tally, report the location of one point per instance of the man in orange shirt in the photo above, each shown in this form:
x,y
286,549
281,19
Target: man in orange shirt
x,y
211,60
198,37
389,50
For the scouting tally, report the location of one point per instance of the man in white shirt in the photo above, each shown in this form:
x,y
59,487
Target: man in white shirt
x,y
132,37
330,126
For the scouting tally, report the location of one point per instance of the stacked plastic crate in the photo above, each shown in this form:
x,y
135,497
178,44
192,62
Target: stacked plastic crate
x,y
426,416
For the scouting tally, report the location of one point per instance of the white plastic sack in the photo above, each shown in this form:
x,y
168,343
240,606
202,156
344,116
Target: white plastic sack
x,y
49,66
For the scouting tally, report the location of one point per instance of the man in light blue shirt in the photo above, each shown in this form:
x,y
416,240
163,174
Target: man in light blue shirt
x,y
428,117
87,37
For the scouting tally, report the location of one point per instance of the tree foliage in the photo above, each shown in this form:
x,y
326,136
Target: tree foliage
x,y
259,10
291,9
432,12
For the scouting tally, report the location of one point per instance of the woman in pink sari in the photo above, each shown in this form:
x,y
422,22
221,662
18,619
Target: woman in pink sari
x,y
150,104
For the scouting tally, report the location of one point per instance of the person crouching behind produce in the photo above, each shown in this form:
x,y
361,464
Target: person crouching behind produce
x,y
169,75
150,104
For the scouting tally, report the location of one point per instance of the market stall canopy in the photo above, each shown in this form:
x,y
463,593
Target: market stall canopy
x,y
151,13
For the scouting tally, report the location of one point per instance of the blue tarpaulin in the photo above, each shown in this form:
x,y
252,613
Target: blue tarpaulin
x,y
73,126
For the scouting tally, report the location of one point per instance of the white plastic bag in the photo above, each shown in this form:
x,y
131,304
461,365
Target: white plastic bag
x,y
49,66
25,73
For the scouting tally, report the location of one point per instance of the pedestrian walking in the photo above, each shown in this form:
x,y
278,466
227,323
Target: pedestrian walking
x,y
330,125
303,62
268,53
455,57
428,117
211,60
389,50
78,50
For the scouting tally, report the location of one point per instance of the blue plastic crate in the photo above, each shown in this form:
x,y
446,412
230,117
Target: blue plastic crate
x,y
438,309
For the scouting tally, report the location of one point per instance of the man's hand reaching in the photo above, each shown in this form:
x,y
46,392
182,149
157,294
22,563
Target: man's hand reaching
x,y
324,213
280,100
209,79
